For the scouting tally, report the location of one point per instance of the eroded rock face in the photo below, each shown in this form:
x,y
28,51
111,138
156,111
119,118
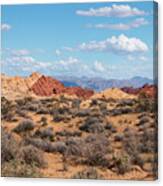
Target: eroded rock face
x,y
79,92
47,86
16,87
148,90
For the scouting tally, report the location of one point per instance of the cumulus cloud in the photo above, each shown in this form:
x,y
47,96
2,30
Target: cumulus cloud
x,y
69,61
137,58
99,66
112,11
122,26
121,44
23,59
69,49
5,27
21,52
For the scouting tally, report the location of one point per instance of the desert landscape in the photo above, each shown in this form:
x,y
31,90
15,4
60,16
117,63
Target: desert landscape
x,y
79,90
53,131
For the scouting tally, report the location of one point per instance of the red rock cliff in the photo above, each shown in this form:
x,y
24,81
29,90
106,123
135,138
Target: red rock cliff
x,y
47,86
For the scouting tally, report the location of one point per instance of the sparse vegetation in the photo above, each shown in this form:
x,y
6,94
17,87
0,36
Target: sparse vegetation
x,y
91,124
32,156
18,160
89,173
100,136
24,126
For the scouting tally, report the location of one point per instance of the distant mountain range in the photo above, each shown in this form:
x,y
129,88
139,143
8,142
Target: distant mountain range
x,y
99,84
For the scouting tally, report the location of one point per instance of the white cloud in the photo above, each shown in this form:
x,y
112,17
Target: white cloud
x,y
66,64
21,52
5,27
137,58
112,11
121,44
20,59
99,66
58,52
69,49
122,26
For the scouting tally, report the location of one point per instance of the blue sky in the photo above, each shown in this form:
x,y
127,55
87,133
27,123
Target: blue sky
x,y
109,40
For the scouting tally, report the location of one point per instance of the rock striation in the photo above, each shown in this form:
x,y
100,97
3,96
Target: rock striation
x,y
48,86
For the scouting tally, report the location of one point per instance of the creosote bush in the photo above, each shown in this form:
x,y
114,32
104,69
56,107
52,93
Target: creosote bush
x,y
19,160
24,126
122,163
33,156
89,173
9,147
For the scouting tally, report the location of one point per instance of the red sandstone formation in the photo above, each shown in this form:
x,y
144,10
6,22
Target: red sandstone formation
x,y
80,92
148,90
47,86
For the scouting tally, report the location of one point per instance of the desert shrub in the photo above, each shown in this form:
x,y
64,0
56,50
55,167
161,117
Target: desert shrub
x,y
21,113
59,147
141,115
13,162
92,124
146,104
127,110
116,112
68,133
126,102
94,102
76,103
144,120
91,150
17,168
42,110
58,118
148,141
43,121
108,126
63,110
31,107
136,159
89,173
9,117
33,156
45,133
74,146
134,144
96,113
83,113
118,137
23,126
96,147
9,147
120,111
46,145
122,163
130,141
40,144
24,101
6,109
